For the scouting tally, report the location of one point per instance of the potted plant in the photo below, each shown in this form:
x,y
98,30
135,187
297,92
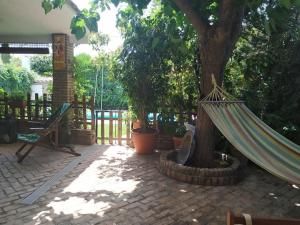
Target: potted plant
x,y
144,138
167,124
135,122
178,136
142,73
17,100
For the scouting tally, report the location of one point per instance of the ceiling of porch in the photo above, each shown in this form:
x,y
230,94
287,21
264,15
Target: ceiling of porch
x,y
24,21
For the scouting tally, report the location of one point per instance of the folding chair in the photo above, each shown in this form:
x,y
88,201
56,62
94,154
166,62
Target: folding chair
x,y
47,130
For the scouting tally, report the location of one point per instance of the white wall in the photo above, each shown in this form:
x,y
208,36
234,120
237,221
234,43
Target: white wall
x,y
36,88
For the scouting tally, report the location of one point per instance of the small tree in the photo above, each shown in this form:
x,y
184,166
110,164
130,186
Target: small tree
x,y
141,68
42,65
15,79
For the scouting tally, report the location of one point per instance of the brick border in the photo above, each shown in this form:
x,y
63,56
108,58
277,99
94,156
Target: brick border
x,y
200,176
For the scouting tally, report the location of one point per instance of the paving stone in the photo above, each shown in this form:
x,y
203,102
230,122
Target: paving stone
x,y
113,185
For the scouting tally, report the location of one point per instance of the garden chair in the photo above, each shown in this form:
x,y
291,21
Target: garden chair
x,y
247,220
184,153
46,134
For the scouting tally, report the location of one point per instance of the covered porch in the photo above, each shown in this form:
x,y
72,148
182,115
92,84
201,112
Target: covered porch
x,y
26,29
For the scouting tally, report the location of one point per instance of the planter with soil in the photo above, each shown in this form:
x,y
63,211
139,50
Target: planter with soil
x,y
83,137
144,140
136,124
235,153
178,136
164,142
224,173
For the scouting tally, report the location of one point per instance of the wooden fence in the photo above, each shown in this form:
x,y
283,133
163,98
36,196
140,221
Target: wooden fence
x,y
41,107
84,112
38,109
114,126
111,126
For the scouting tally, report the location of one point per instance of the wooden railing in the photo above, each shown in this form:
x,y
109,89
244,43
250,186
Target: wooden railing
x,y
84,112
112,127
40,108
37,109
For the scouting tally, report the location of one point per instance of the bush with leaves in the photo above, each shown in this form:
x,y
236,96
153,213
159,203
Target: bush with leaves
x,y
149,48
143,65
42,65
264,71
88,81
84,71
14,78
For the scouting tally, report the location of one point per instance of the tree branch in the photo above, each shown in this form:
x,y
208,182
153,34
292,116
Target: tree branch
x,y
228,28
231,14
197,21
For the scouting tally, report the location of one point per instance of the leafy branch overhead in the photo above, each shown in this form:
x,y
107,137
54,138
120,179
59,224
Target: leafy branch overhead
x,y
48,5
85,19
202,14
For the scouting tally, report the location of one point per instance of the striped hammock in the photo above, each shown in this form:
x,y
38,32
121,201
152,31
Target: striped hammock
x,y
252,137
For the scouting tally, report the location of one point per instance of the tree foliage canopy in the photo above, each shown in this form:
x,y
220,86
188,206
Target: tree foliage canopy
x,y
88,81
264,71
15,79
42,65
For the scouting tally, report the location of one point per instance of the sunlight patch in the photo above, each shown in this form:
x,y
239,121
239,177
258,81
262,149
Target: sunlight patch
x,y
77,206
93,183
105,174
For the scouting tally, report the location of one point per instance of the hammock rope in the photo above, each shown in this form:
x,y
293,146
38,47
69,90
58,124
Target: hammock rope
x,y
218,94
251,136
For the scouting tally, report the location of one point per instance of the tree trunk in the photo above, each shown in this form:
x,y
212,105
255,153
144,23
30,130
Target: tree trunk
x,y
213,57
216,45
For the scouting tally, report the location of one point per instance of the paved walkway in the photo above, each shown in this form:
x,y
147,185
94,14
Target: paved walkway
x,y
113,185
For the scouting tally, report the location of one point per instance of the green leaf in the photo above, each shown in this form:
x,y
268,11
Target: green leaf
x,y
91,18
155,42
78,27
91,24
175,41
58,3
285,3
47,6
267,27
297,3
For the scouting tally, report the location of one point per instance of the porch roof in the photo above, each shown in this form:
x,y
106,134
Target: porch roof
x,y
24,21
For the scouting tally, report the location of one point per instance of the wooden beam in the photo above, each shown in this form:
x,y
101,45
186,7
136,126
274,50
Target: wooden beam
x,y
25,50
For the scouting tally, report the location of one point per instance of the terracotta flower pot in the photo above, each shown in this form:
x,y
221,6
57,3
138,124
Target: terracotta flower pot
x,y
177,142
136,124
144,143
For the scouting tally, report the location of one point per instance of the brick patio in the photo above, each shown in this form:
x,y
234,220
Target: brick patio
x,y
113,185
